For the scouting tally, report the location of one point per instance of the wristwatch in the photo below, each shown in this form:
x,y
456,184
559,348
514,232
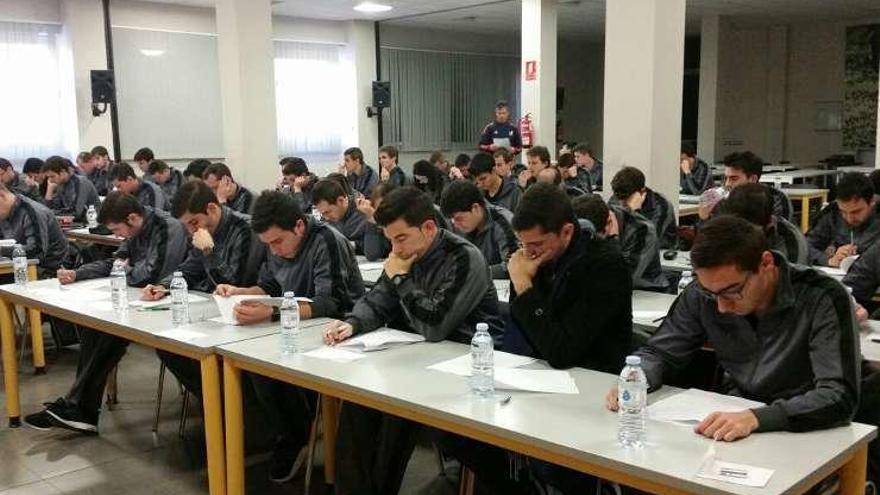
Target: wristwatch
x,y
399,279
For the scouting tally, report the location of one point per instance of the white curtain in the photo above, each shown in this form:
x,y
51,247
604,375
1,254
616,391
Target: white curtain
x,y
442,99
310,87
37,102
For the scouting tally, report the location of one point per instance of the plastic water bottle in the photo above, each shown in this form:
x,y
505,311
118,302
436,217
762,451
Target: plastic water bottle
x,y
118,286
316,214
19,265
179,300
92,217
632,401
686,278
289,324
482,362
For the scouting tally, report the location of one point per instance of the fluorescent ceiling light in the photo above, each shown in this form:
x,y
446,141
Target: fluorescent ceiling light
x,y
152,53
372,8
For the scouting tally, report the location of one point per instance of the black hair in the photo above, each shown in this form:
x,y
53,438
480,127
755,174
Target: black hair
x,y
121,171
462,160
56,164
501,104
503,153
854,185
543,205
100,151
541,152
355,154
745,161
33,166
5,164
583,149
626,182
729,240
482,163
293,165
408,203
218,170
566,160
327,190
749,201
593,208
144,155
193,197
342,181
196,168
381,190
274,208
424,168
157,166
688,149
389,150
461,195
117,206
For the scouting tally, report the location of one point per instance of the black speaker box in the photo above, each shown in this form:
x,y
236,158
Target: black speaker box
x,y
103,86
381,94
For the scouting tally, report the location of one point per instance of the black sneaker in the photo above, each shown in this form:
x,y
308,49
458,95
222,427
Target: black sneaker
x,y
40,420
68,416
287,460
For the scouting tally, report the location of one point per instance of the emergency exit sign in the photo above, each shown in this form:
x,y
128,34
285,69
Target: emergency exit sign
x,y
531,70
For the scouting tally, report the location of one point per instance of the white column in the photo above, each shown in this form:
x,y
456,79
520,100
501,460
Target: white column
x,y
644,63
706,119
539,47
360,55
247,88
83,35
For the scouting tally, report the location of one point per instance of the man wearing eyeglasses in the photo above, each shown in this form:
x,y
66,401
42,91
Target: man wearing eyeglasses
x,y
784,334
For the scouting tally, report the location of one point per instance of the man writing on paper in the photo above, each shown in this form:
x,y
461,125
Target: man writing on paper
x,y
849,225
32,225
314,261
784,335
434,283
154,246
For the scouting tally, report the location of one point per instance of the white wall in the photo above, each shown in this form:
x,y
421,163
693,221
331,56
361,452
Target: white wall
x,y
30,11
581,71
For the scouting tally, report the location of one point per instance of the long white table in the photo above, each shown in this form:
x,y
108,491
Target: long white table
x,y
790,176
575,431
80,304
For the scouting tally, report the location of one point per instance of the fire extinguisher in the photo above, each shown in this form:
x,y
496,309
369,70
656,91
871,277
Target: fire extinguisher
x,y
526,132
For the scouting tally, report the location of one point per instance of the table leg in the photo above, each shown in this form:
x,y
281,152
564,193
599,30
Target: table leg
x,y
36,331
10,365
234,429
854,473
330,413
211,406
805,214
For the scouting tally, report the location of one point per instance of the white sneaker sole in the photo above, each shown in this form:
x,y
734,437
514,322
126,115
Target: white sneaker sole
x,y
297,465
75,425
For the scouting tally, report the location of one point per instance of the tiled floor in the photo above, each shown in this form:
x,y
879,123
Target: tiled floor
x,y
126,459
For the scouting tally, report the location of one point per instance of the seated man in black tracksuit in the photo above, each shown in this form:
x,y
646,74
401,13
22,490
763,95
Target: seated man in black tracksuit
x,y
484,225
66,192
154,246
230,193
340,211
849,225
746,167
168,178
499,190
123,178
295,174
32,225
390,171
435,283
696,175
784,335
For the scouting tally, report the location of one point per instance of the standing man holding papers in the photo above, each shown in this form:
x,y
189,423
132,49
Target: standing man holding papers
x,y
154,246
784,334
501,133
438,285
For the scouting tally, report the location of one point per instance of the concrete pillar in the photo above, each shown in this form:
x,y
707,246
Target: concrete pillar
x,y
777,89
247,89
706,119
360,54
644,54
83,35
539,48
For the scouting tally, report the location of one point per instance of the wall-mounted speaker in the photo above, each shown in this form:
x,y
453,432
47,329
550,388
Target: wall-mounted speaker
x,y
103,86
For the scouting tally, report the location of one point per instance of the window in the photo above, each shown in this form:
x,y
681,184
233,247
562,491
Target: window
x,y
311,88
37,100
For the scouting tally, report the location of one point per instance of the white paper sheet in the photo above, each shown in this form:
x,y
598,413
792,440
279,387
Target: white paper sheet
x,y
96,284
165,301
847,262
372,265
738,474
181,334
334,354
692,406
647,315
830,270
547,381
226,305
501,142
81,294
380,339
8,242
461,365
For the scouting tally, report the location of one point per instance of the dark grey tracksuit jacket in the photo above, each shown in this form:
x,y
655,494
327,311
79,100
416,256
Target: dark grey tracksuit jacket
x,y
782,207
698,180
150,194
33,225
596,176
325,270
640,249
785,237
304,197
377,246
863,277
830,230
508,196
801,357
98,178
170,187
353,226
19,186
446,293
495,239
227,262
152,255
582,181
74,198
365,182
242,200
399,178
658,210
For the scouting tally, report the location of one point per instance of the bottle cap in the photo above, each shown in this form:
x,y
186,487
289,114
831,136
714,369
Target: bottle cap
x,y
288,294
482,326
687,273
178,274
633,361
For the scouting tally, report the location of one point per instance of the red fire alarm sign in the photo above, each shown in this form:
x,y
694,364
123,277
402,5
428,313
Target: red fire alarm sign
x,y
531,70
